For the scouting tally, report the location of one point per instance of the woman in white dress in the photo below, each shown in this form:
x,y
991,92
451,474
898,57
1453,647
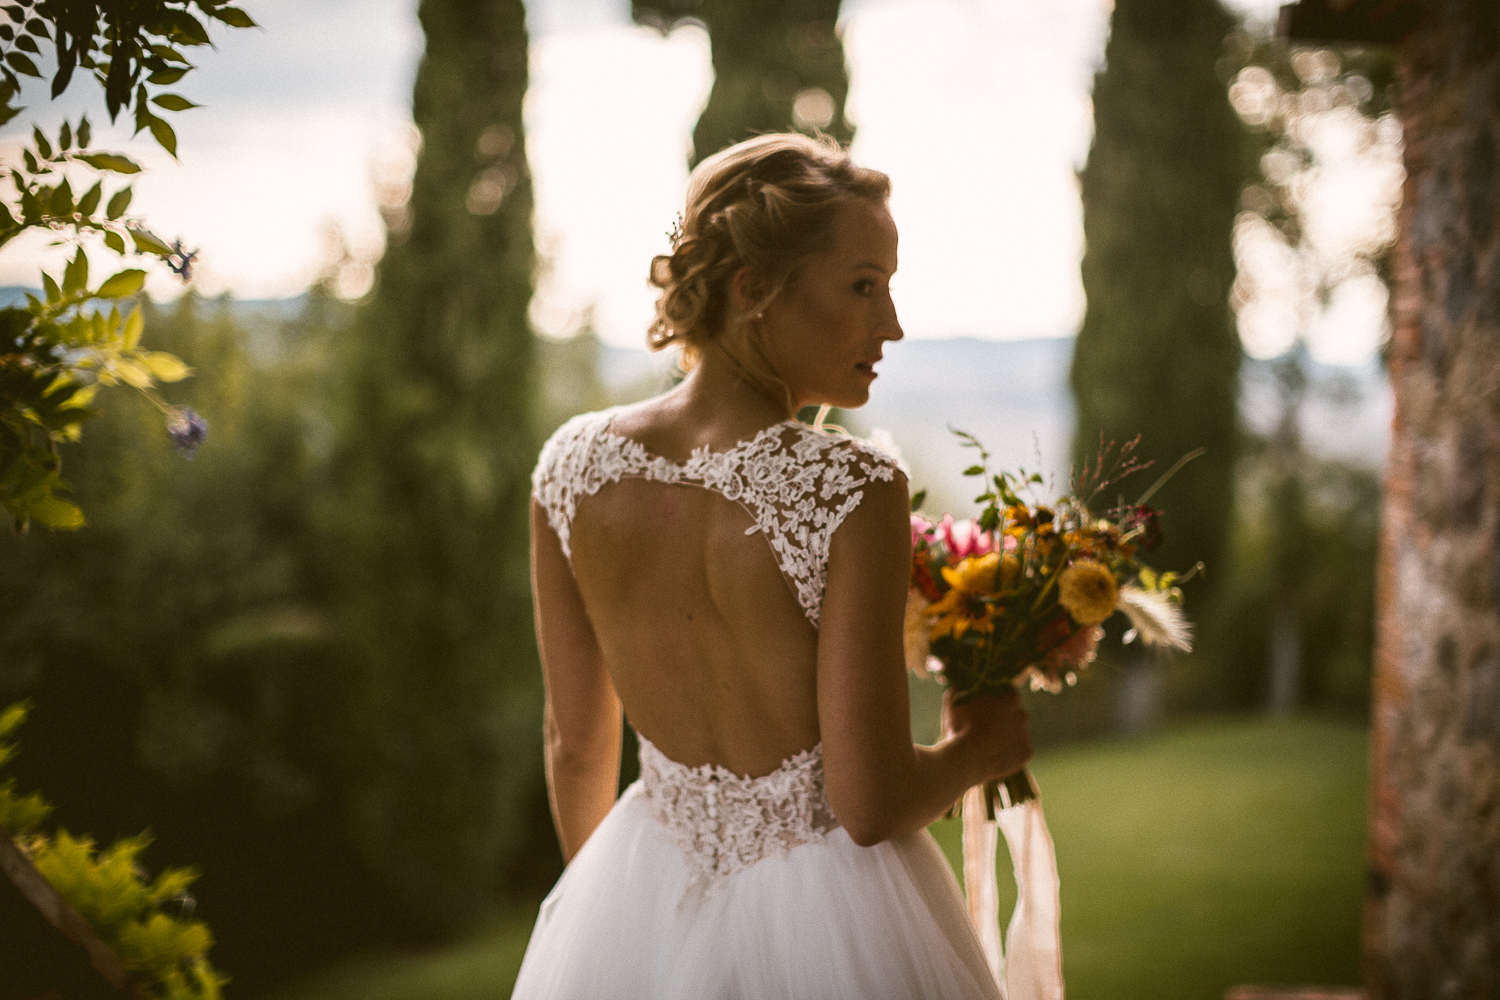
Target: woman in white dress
x,y
736,581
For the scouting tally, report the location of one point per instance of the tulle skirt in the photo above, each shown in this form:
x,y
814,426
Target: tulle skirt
x,y
823,921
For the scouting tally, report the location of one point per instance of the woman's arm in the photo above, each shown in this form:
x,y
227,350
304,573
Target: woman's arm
x,y
879,783
581,720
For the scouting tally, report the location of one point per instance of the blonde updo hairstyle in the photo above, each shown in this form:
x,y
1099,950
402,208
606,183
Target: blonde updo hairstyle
x,y
768,203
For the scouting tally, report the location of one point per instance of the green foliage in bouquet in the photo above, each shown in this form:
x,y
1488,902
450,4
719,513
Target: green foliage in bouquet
x,y
166,953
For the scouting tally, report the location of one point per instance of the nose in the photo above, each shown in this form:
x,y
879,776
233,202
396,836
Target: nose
x,y
890,326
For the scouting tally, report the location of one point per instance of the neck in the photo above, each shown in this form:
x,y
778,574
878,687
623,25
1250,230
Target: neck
x,y
737,383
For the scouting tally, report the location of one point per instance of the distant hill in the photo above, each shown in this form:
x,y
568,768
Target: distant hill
x,y
1013,395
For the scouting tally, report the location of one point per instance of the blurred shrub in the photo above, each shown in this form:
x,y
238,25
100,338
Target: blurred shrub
x,y
166,953
1301,594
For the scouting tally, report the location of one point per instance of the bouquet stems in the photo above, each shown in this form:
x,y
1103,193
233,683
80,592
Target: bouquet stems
x,y
1019,788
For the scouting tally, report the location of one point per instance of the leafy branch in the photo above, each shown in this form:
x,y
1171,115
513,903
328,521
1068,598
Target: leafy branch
x,y
58,348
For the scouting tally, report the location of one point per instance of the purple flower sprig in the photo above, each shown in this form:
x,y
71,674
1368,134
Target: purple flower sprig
x,y
187,430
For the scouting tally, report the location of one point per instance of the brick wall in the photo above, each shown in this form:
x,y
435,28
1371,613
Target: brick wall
x,y
1433,908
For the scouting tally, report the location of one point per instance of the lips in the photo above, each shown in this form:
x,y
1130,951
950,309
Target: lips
x,y
867,367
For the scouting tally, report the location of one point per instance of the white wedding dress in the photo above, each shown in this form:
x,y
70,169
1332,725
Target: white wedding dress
x,y
701,884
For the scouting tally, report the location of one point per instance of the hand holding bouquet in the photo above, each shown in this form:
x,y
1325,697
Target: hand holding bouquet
x,y
1019,593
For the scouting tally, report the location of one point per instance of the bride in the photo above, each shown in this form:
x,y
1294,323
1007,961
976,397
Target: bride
x,y
735,581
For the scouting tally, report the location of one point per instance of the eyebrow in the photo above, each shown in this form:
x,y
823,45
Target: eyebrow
x,y
871,266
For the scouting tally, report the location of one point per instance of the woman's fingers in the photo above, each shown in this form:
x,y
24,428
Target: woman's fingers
x,y
998,727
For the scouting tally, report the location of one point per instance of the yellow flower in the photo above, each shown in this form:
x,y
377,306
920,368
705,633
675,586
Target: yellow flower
x,y
1088,591
962,607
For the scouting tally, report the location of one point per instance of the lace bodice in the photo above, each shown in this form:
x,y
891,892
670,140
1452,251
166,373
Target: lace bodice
x,y
797,483
723,822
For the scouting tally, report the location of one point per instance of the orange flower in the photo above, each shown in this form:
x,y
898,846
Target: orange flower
x,y
964,606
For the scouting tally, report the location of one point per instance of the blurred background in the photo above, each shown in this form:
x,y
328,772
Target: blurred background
x,y
304,660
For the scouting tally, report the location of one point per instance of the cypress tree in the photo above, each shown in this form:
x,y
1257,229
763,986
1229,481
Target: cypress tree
x,y
778,66
1158,354
433,483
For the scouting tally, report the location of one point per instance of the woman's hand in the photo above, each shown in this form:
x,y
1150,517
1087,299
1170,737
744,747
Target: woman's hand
x,y
996,730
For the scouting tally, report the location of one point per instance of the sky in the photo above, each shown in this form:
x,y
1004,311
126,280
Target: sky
x,y
978,109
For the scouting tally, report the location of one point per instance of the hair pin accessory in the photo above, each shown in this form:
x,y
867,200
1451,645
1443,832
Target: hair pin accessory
x,y
675,233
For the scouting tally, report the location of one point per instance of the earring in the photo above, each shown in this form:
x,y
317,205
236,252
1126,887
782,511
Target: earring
x,y
759,316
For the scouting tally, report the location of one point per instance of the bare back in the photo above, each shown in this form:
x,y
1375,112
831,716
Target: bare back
x,y
700,563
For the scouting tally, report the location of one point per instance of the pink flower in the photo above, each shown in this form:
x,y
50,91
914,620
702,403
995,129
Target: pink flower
x,y
921,530
963,539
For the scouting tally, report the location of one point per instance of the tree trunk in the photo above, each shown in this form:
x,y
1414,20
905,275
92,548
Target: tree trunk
x,y
778,66
1158,354
434,477
1432,924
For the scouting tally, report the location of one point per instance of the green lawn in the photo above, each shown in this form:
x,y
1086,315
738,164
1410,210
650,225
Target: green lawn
x,y
1193,859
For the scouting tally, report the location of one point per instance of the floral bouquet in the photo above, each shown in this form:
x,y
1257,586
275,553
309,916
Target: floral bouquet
x,y
1019,593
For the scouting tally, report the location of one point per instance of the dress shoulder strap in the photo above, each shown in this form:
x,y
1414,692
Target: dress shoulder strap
x,y
801,510
563,472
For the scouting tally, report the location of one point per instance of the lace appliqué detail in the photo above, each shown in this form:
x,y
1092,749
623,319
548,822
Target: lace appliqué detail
x,y
797,483
724,823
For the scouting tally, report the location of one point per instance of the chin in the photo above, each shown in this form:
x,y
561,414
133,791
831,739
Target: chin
x,y
851,399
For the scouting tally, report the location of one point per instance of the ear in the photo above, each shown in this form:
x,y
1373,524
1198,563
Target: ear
x,y
747,289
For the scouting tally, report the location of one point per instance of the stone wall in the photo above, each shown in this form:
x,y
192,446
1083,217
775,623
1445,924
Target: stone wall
x,y
1433,908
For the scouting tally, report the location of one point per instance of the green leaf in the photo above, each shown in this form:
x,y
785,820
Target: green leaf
x,y
61,202
114,241
186,29
120,285
113,162
918,498
166,367
173,102
135,325
38,27
76,276
13,11
22,65
164,135
118,203
55,513
49,285
89,203
147,243
28,158
169,75
85,132
81,399
65,137
234,17
7,113
974,470
43,147
27,43
132,374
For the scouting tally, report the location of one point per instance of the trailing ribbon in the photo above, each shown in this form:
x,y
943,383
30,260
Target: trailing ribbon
x,y
1029,964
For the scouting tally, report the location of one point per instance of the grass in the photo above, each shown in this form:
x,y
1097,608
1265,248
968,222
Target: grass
x,y
1192,859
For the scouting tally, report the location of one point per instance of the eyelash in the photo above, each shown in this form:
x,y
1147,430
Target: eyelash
x,y
864,287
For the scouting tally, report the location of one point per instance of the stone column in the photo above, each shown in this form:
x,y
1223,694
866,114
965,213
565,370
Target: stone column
x,y
1432,925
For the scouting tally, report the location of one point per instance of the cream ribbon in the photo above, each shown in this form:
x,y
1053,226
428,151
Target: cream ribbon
x,y
1029,964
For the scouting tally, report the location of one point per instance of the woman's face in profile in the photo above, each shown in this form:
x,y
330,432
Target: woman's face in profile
x,y
825,331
